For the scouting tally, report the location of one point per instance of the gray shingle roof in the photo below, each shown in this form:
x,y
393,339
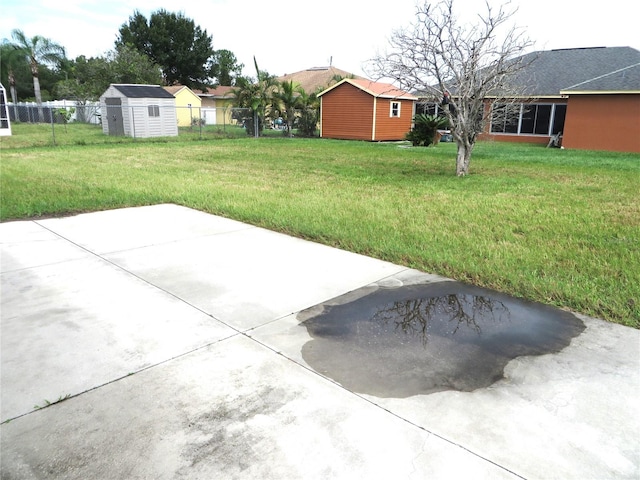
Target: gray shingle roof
x,y
142,91
623,80
555,70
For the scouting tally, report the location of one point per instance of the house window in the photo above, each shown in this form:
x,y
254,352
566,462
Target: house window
x,y
430,108
536,119
505,118
528,119
154,110
560,111
395,109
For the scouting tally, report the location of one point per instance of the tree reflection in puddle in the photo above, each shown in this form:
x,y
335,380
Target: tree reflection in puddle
x,y
414,317
419,339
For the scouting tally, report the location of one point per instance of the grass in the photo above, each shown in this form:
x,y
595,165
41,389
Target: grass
x,y
46,135
556,226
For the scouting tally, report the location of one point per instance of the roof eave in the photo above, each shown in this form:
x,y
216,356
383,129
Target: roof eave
x,y
401,97
600,92
326,90
526,97
366,90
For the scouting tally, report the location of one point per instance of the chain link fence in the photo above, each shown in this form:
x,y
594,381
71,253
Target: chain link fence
x,y
152,120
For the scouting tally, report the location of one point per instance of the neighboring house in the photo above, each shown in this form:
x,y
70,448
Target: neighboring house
x,y
138,111
571,92
316,79
546,109
187,104
603,113
5,122
216,105
360,109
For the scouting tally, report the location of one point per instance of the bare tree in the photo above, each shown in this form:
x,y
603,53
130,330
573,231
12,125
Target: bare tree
x,y
458,64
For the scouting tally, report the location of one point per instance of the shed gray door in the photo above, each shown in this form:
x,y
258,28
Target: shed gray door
x,y
114,116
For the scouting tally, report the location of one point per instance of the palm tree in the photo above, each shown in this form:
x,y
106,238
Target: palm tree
x,y
308,121
39,51
9,57
290,97
257,96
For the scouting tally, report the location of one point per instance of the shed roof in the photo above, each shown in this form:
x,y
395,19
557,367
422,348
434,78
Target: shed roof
x,y
142,91
375,89
554,70
623,80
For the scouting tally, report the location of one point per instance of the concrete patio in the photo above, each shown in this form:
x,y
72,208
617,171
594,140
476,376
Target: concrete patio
x,y
161,342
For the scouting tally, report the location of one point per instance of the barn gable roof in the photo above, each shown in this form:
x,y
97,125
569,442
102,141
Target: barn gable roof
x,y
375,89
142,91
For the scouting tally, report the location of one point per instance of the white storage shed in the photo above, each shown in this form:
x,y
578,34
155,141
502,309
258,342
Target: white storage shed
x,y
139,111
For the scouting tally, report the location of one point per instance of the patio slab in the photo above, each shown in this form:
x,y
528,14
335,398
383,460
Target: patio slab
x,y
177,344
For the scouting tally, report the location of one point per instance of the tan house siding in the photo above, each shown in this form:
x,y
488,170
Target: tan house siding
x,y
603,122
347,114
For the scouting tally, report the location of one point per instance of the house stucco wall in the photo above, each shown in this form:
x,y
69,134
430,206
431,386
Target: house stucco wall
x,y
603,122
184,113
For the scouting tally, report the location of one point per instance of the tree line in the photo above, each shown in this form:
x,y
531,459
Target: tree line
x,y
165,49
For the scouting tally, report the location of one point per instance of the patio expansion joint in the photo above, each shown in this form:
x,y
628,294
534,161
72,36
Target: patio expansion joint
x,y
144,280
122,377
357,395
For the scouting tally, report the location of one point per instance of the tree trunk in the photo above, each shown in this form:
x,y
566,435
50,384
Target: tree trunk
x,y
12,87
290,115
36,91
464,158
14,96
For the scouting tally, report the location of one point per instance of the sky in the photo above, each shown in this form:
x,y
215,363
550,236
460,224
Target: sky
x,y
289,36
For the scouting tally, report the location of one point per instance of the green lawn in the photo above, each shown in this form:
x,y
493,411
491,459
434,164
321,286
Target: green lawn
x,y
557,226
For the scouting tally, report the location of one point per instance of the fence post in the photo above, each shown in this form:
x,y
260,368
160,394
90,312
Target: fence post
x,y
53,130
133,123
256,130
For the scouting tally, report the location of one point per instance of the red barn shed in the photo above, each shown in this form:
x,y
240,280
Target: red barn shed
x,y
361,109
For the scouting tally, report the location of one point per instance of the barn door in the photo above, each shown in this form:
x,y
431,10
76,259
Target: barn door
x,y
114,116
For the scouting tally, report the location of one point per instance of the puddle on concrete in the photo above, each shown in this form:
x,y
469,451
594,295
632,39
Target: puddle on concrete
x,y
420,339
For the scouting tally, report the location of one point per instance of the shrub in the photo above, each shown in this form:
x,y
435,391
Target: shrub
x,y
425,128
307,122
